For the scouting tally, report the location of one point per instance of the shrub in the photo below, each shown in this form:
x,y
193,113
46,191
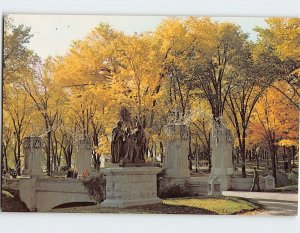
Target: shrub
x,y
293,177
96,188
173,191
169,191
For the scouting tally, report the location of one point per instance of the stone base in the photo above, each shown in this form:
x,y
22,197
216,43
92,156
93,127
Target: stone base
x,y
168,182
138,164
130,186
245,184
225,182
197,186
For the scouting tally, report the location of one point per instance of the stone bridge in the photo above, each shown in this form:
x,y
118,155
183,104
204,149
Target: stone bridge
x,y
43,194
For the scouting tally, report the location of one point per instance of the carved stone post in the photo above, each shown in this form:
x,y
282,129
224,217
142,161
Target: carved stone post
x,y
222,166
176,154
32,156
83,156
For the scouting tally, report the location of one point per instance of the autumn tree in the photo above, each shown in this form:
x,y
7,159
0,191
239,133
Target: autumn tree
x,y
243,95
280,42
274,120
17,65
16,56
47,99
218,47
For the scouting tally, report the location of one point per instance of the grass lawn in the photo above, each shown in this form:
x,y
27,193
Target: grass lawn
x,y
223,206
198,205
201,206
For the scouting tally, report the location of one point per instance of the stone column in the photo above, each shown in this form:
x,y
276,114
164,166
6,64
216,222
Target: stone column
x,y
176,147
32,156
222,166
83,156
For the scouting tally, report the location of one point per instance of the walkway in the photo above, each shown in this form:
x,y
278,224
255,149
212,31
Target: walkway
x,y
276,204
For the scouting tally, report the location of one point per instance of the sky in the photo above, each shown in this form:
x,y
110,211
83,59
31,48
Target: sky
x,y
53,34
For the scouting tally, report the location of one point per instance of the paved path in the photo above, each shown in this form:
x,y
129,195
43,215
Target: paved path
x,y
276,204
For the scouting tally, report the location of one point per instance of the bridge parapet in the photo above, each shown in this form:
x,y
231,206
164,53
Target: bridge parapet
x,y
43,194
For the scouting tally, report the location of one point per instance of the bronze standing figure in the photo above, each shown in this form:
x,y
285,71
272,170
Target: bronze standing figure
x,y
116,144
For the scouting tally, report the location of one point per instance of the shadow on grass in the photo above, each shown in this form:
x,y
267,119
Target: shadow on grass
x,y
74,204
172,209
10,202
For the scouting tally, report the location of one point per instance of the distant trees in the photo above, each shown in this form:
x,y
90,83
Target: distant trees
x,y
273,121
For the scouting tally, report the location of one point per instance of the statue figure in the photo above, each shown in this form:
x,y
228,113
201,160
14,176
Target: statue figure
x,y
129,147
141,142
116,143
218,122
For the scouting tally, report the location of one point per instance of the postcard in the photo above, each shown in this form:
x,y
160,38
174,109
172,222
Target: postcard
x,y
150,114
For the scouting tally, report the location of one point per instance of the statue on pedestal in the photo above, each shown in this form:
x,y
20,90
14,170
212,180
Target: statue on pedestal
x,y
117,143
129,149
140,142
129,146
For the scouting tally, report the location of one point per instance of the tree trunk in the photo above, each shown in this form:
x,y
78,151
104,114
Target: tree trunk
x,y
284,152
48,152
6,162
273,154
19,155
256,158
68,154
162,151
190,143
276,156
54,165
150,150
209,154
290,158
243,154
293,152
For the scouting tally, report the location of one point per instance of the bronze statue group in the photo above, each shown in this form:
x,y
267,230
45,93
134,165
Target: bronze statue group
x,y
128,146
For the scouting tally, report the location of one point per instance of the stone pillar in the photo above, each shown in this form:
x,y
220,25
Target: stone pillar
x,y
176,149
28,191
83,156
222,166
32,156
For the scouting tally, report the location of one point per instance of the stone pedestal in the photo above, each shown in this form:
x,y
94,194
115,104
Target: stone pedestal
x,y
222,166
83,156
214,187
130,186
176,154
32,156
269,183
